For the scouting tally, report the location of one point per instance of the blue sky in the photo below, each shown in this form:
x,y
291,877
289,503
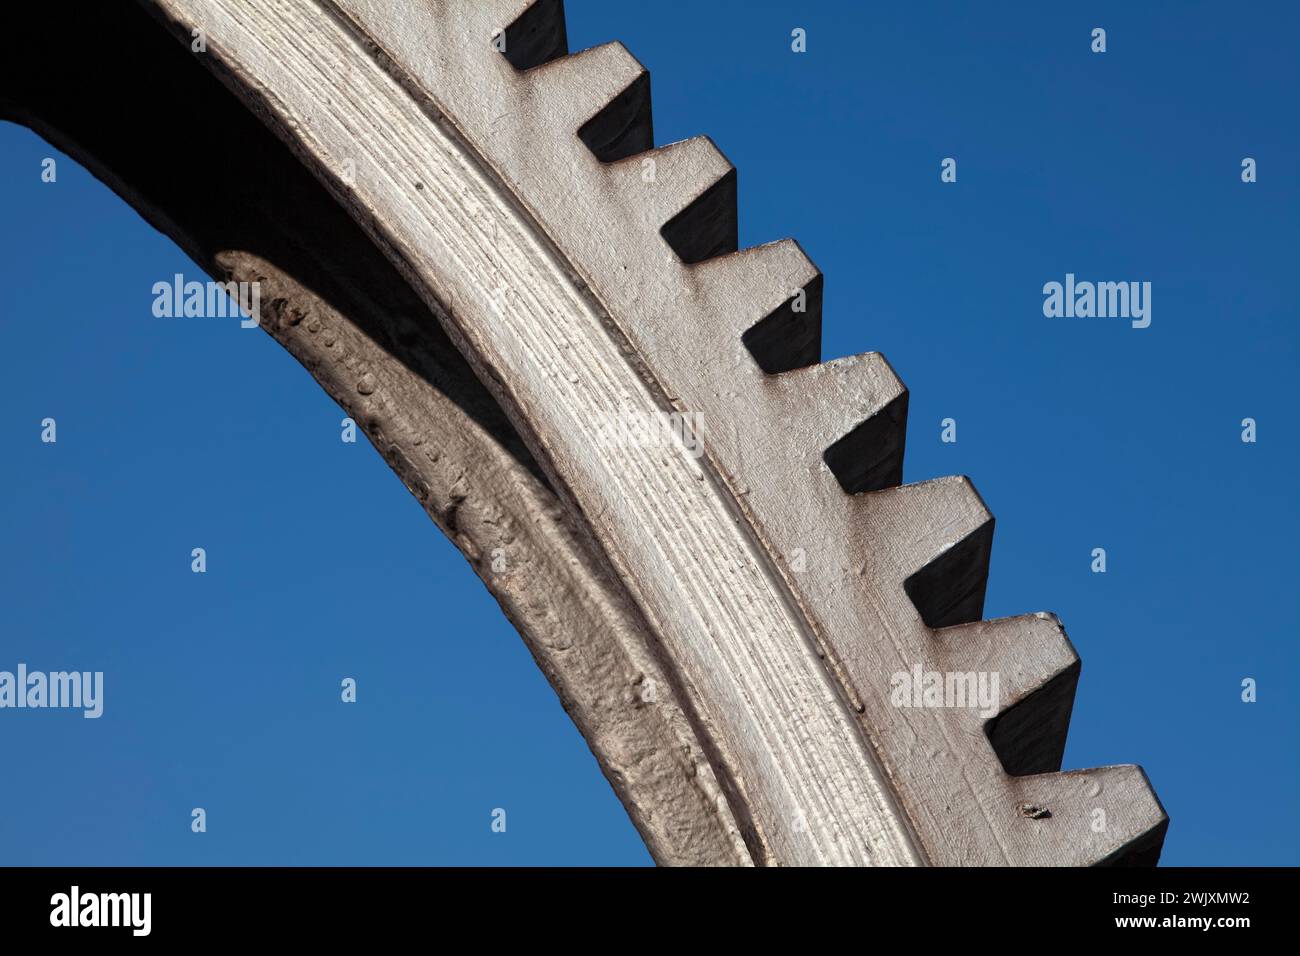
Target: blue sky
x,y
222,688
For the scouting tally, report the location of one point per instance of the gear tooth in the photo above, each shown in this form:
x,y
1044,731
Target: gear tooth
x,y
535,33
687,190
758,291
942,536
853,408
1104,816
1037,670
604,91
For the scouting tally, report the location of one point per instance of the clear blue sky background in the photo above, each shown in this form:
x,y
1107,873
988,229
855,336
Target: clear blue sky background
x,y
222,689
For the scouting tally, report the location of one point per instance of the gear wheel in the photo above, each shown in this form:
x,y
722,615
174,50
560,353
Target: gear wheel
x,y
785,576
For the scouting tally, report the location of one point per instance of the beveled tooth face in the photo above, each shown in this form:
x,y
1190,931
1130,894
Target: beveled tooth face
x,y
684,191
602,94
1106,816
767,298
934,538
855,410
1037,672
